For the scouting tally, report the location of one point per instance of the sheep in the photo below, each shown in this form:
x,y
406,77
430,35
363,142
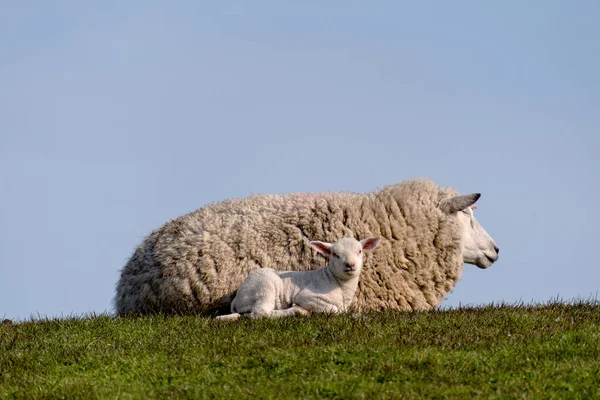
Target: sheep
x,y
195,263
268,293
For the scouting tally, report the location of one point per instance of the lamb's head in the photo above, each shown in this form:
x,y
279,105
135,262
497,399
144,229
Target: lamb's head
x,y
478,247
346,255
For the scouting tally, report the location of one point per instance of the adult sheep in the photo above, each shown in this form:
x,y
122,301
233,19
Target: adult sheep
x,y
194,264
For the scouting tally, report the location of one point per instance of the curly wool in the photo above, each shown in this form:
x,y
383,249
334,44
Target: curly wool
x,y
195,263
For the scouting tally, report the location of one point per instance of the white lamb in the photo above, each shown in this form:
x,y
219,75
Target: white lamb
x,y
269,293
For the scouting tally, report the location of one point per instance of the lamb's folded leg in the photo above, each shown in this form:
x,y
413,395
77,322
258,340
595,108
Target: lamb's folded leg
x,y
300,310
295,310
228,317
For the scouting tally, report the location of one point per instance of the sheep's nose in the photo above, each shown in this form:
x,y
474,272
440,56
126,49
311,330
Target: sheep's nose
x,y
348,265
497,249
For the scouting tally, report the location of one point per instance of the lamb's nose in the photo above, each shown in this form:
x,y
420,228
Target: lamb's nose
x,y
497,249
348,265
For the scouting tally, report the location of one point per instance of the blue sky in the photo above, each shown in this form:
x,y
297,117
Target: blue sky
x,y
118,116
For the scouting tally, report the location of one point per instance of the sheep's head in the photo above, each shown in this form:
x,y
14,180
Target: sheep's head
x,y
346,255
478,247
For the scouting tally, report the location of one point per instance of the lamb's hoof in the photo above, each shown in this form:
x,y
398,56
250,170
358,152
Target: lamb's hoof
x,y
301,311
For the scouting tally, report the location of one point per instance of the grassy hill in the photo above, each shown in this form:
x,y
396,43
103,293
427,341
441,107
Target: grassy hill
x,y
547,351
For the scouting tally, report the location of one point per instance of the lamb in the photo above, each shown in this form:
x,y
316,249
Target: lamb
x,y
268,293
195,263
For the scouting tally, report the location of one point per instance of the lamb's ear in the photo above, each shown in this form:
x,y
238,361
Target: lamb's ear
x,y
370,243
458,203
322,247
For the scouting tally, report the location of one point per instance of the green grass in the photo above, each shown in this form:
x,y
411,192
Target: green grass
x,y
547,351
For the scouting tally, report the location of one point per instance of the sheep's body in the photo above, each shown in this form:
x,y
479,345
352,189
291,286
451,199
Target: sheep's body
x,y
195,263
268,293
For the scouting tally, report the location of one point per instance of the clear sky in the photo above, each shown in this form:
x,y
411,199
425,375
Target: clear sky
x,y
116,117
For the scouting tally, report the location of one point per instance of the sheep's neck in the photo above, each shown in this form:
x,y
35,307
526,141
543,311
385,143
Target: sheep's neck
x,y
348,287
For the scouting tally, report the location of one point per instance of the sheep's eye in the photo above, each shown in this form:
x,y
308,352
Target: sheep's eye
x,y
360,251
466,212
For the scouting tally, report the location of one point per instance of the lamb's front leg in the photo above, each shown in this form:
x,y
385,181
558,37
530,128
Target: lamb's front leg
x,y
314,303
300,310
228,317
295,310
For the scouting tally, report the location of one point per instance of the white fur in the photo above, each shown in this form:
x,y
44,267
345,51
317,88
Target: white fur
x,y
269,293
478,247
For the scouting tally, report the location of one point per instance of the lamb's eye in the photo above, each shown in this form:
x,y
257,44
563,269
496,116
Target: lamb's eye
x,y
466,212
360,252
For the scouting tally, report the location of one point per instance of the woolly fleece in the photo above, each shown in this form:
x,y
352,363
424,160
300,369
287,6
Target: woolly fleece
x,y
195,263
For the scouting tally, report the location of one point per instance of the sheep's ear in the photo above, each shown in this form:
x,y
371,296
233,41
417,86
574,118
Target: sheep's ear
x,y
458,203
370,243
322,247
